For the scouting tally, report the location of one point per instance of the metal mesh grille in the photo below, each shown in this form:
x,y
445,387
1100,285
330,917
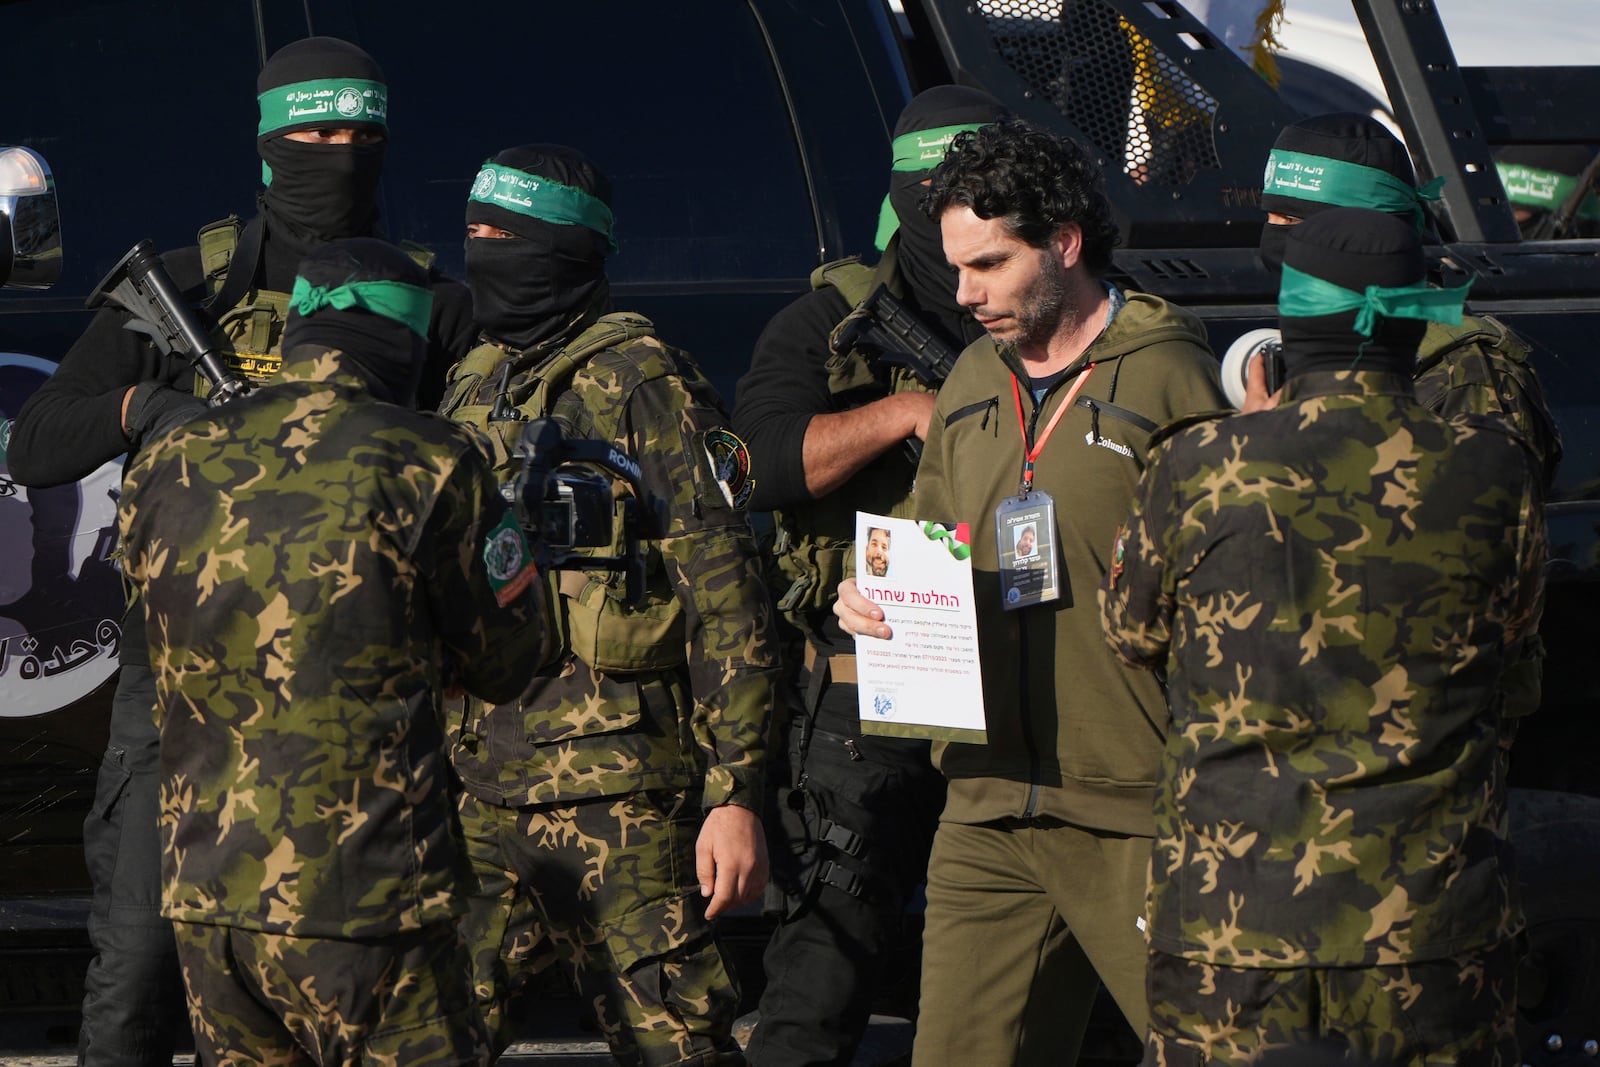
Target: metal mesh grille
x,y
1132,100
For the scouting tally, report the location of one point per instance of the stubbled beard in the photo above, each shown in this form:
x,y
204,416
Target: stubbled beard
x,y
1044,308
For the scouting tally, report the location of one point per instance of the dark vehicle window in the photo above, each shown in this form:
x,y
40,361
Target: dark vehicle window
x,y
145,110
722,198
1572,389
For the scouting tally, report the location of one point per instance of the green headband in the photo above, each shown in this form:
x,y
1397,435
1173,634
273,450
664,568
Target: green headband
x,y
1546,190
924,149
324,102
919,150
409,305
1303,295
542,198
1322,180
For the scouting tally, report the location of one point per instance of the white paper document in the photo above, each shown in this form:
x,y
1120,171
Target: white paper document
x,y
925,680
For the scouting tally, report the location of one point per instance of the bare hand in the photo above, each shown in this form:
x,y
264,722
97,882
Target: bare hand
x,y
730,858
919,407
1255,388
127,398
858,615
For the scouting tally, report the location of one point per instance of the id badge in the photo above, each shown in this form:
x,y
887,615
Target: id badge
x,y
1025,538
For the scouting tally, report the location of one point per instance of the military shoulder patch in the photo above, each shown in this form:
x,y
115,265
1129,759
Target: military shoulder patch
x,y
509,560
1119,557
728,459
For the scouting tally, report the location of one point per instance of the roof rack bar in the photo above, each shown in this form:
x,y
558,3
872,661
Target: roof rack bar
x,y
1435,109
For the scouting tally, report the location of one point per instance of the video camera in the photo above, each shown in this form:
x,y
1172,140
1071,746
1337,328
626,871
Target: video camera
x,y
1265,344
565,507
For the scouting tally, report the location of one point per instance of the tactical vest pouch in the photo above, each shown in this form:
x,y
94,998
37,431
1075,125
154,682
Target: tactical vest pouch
x,y
610,636
217,240
502,435
810,570
254,331
249,334
593,622
854,280
815,548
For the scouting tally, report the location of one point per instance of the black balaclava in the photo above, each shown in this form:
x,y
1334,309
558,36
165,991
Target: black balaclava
x,y
388,354
1349,137
920,248
1539,178
318,193
531,288
1353,248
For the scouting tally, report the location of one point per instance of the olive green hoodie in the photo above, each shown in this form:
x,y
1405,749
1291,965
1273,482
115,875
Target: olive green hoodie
x,y
1072,733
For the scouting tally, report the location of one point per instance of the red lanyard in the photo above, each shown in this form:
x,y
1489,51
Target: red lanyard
x,y
1029,455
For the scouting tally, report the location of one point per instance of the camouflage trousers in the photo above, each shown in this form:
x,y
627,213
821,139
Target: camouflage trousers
x,y
273,999
1457,1011
609,887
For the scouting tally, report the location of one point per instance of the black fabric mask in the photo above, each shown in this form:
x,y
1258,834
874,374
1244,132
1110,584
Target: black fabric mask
x,y
1274,239
1330,343
319,192
1353,248
921,249
918,246
526,290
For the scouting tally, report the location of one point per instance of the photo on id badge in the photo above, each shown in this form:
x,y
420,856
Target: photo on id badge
x,y
1025,541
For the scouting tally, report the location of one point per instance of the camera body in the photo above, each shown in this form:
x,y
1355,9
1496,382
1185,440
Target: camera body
x,y
574,511
563,498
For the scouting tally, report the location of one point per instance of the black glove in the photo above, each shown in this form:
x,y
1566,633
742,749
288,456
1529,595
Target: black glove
x,y
156,409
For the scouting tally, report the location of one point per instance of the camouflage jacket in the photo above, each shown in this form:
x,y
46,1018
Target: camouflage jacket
x,y
697,717
310,556
1482,367
1329,587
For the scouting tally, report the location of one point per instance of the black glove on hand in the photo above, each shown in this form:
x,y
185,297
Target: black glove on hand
x,y
156,409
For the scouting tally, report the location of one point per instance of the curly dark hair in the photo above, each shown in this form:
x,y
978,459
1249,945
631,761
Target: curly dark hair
x,y
1033,180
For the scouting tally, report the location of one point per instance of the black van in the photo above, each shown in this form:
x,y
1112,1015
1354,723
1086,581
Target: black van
x,y
747,141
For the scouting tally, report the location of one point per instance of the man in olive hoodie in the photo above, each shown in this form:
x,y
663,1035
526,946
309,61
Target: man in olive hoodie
x,y
1038,870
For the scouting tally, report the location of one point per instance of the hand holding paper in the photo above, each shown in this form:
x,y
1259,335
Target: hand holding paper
x,y
918,675
858,615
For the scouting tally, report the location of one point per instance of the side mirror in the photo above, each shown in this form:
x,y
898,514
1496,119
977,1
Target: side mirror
x,y
30,224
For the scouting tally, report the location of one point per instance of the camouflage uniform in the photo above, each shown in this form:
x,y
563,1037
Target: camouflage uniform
x,y
1483,368
586,794
309,556
1329,587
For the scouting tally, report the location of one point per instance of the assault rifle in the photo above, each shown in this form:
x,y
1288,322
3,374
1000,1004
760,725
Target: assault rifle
x,y
141,286
882,323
